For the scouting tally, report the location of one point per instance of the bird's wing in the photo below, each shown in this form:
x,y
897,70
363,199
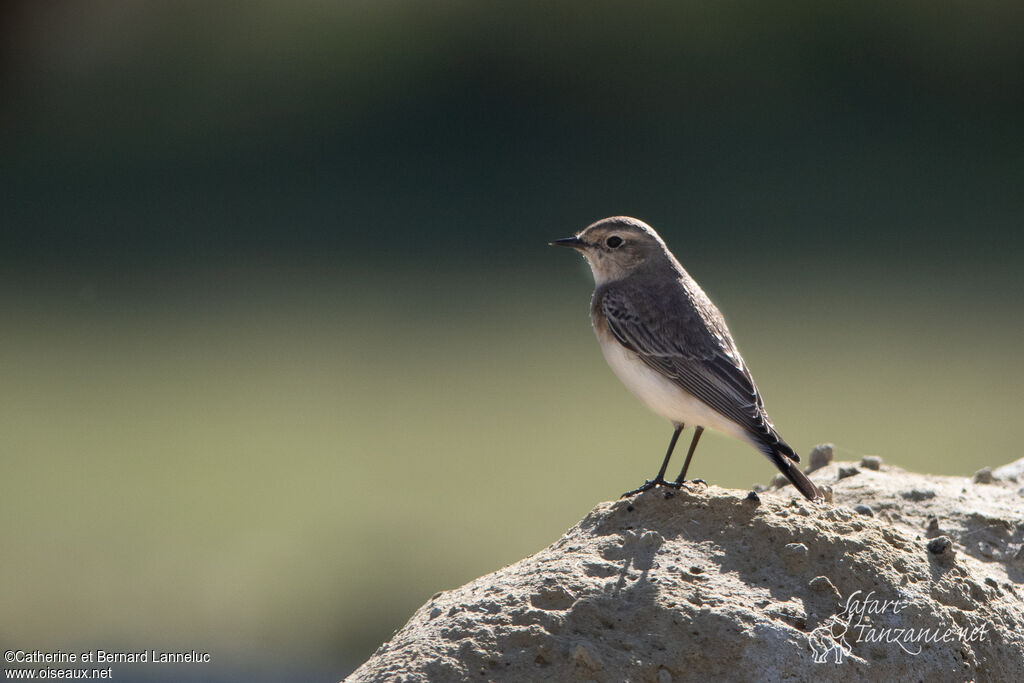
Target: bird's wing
x,y
693,348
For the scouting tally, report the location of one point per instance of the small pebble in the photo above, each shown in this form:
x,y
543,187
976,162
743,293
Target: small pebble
x,y
795,555
845,472
871,462
991,582
932,529
940,545
753,497
822,584
983,476
820,456
584,656
864,510
696,570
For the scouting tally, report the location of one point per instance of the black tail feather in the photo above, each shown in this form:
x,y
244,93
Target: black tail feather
x,y
783,457
798,478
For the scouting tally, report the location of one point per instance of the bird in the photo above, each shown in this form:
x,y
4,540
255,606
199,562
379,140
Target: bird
x,y
669,344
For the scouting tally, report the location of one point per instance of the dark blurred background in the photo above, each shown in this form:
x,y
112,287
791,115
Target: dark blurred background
x,y
285,351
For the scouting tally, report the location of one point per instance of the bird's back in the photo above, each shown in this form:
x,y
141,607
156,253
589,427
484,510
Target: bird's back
x,y
667,320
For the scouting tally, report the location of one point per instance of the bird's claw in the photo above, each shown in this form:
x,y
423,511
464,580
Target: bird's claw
x,y
646,486
650,484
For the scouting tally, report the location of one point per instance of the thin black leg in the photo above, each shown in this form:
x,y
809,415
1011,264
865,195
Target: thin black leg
x,y
689,454
668,454
660,479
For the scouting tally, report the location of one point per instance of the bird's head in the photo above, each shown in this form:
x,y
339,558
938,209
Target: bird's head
x,y
618,247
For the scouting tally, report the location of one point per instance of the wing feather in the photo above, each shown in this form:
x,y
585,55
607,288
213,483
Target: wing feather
x,y
695,352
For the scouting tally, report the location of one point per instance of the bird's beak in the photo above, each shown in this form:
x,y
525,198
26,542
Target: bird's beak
x,y
574,242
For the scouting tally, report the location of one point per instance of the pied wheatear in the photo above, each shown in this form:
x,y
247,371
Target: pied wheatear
x,y
670,346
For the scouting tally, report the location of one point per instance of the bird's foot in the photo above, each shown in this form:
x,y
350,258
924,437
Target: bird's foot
x,y
683,484
647,486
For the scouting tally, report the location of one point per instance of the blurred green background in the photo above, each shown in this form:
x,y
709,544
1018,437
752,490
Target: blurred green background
x,y
285,352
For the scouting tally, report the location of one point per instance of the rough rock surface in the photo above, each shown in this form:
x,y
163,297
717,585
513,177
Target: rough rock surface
x,y
709,584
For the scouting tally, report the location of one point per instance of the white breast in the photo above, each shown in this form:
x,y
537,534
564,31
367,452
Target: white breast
x,y
661,395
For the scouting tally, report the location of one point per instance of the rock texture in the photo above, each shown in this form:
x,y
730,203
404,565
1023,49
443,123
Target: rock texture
x,y
900,576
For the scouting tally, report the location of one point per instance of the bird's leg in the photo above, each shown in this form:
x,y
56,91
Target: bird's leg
x,y
689,454
660,479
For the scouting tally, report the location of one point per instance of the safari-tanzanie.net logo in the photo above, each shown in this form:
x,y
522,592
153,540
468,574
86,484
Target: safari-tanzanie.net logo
x,y
870,619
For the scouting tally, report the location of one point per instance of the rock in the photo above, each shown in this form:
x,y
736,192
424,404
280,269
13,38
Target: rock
x,y
864,510
795,555
845,472
983,476
1011,472
940,545
585,657
917,494
1018,559
820,456
942,549
706,586
821,584
871,462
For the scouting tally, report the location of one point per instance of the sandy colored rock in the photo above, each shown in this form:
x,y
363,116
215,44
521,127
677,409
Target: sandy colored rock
x,y
871,462
707,584
820,456
1012,472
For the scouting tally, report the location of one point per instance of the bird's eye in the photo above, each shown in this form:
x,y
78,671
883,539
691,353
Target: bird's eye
x,y
613,241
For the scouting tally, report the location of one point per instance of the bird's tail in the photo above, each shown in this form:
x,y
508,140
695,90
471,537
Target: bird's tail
x,y
798,478
785,458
